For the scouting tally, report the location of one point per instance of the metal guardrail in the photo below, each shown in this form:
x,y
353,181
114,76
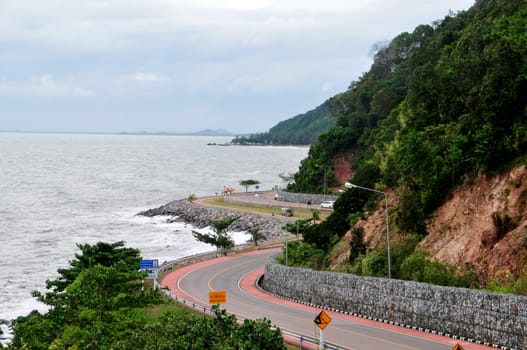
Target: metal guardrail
x,y
315,199
301,339
311,340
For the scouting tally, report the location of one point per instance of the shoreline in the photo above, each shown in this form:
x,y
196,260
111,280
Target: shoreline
x,y
201,216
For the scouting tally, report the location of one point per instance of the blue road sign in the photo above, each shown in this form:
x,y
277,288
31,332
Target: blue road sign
x,y
149,264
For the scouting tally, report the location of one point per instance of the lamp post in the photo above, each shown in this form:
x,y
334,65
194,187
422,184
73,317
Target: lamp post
x,y
350,185
325,177
286,254
297,208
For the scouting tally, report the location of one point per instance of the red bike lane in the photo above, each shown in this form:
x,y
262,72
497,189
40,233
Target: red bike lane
x,y
248,284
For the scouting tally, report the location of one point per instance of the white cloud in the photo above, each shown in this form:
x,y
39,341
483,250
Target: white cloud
x,y
234,5
109,25
150,77
43,86
87,85
279,54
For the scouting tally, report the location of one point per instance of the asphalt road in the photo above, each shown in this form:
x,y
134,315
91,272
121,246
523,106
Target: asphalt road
x,y
236,275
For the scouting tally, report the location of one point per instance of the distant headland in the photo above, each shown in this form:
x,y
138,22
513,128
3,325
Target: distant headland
x,y
205,132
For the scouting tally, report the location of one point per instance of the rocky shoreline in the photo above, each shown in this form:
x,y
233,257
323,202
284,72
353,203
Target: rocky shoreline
x,y
202,216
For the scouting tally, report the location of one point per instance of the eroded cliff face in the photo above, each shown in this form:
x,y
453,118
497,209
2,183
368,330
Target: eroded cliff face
x,y
483,223
341,168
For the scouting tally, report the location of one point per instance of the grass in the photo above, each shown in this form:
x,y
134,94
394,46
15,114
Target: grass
x,y
157,311
299,213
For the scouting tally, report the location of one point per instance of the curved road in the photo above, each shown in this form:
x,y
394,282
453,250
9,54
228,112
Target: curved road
x,y
237,274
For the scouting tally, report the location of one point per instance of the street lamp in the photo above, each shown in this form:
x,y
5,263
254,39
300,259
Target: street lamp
x,y
350,185
325,176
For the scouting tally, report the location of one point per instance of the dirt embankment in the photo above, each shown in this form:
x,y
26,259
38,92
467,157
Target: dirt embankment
x,y
484,223
341,169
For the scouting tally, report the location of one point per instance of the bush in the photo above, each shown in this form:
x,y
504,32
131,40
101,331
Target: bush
x,y
518,286
357,245
375,264
301,254
413,267
417,267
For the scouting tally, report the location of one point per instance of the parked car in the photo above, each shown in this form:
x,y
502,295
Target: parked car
x,y
286,211
327,204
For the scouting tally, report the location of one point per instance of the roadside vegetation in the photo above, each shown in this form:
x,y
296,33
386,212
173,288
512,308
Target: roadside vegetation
x,y
439,106
98,303
219,237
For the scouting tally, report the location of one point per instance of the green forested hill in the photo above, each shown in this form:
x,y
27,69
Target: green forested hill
x,y
445,101
303,129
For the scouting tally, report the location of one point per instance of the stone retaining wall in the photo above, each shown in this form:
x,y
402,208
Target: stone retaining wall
x,y
471,314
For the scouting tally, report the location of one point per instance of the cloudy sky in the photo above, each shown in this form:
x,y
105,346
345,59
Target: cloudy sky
x,y
187,65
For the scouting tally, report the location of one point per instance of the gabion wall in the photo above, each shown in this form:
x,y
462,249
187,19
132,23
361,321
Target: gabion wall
x,y
496,319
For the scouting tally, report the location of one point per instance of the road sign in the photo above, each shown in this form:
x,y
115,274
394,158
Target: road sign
x,y
149,264
152,266
322,320
217,297
458,347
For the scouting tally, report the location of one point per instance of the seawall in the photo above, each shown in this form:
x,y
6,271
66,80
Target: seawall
x,y
484,317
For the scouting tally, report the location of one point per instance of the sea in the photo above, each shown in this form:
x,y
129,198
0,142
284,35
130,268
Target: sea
x,y
59,190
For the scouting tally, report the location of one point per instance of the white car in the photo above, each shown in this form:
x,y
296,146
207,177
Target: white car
x,y
327,204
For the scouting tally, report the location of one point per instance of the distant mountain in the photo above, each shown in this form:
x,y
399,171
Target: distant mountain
x,y
215,132
205,132
303,129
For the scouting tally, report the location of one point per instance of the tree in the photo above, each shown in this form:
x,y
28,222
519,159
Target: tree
x,y
104,289
288,179
95,303
299,226
219,238
101,253
248,183
315,215
256,235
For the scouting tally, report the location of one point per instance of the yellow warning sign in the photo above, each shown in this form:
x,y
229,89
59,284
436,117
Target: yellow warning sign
x,y
458,347
217,297
322,320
